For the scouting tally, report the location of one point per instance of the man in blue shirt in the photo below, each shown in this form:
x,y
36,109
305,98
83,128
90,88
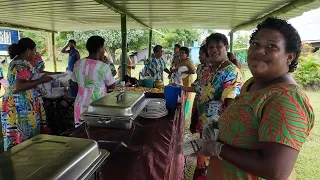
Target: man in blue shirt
x,y
74,56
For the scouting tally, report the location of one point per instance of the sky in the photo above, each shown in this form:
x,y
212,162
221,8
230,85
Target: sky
x,y
308,25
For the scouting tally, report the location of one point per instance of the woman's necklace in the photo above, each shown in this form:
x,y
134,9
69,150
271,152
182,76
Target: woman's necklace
x,y
213,75
216,70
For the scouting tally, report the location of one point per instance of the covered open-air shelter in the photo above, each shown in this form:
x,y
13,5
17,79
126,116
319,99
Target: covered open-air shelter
x,y
154,148
68,15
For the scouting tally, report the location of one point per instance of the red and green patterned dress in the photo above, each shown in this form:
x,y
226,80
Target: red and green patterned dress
x,y
280,113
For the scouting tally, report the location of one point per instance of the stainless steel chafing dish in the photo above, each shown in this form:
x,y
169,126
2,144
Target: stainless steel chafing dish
x,y
52,157
115,110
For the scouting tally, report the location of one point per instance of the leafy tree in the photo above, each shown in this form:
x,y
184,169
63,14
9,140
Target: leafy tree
x,y
40,38
306,49
136,39
62,39
240,45
180,36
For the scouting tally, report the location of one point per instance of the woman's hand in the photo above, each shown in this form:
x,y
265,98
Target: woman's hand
x,y
22,84
45,79
211,130
174,70
202,147
210,148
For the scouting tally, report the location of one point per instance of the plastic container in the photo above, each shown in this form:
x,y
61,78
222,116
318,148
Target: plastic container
x,y
147,82
171,95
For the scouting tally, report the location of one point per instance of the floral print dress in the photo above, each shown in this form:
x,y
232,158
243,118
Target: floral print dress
x,y
37,62
213,89
22,112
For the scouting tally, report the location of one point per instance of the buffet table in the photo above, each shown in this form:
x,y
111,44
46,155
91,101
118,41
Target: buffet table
x,y
153,152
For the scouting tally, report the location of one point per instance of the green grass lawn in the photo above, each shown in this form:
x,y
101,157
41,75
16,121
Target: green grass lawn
x,y
308,162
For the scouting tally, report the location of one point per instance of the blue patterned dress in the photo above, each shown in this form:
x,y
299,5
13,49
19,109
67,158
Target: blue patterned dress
x,y
22,112
154,68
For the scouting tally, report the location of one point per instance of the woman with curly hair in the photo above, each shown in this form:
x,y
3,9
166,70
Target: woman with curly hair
x,y
263,130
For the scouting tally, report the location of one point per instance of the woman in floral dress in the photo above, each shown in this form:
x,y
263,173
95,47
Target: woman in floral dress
x,y
91,77
263,130
203,54
155,65
22,109
218,85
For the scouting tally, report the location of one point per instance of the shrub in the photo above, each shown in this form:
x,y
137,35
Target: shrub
x,y
308,72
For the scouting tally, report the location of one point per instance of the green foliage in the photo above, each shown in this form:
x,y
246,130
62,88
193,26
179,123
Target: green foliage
x,y
308,72
180,36
306,49
240,45
40,38
62,39
136,38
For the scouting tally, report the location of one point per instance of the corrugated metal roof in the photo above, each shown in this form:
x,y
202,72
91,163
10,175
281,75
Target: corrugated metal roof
x,y
65,15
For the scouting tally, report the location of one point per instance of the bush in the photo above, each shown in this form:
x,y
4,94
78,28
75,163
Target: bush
x,y
308,72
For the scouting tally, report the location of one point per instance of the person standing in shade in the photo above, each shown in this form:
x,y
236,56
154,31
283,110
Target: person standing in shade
x,y
22,110
91,77
111,65
74,56
176,56
130,65
217,86
263,130
155,66
184,61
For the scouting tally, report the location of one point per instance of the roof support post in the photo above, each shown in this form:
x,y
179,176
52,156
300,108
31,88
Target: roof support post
x,y
109,4
124,44
231,42
54,51
150,42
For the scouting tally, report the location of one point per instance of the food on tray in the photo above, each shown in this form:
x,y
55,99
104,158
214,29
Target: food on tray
x,y
156,90
140,89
